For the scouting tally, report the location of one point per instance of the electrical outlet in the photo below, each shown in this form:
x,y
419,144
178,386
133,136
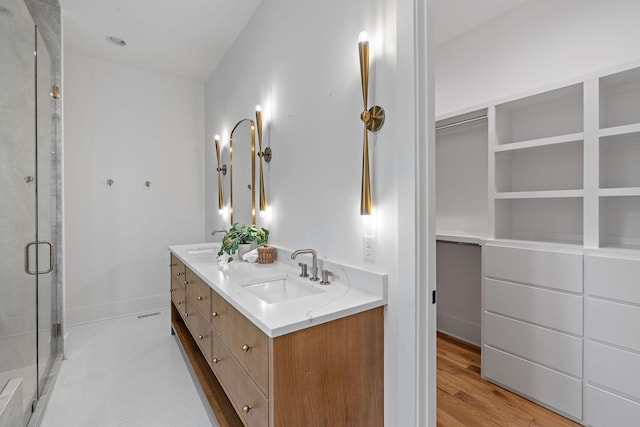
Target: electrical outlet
x,y
369,248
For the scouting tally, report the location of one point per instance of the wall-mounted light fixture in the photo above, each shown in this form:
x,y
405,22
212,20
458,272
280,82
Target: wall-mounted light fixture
x,y
373,118
266,155
222,169
55,92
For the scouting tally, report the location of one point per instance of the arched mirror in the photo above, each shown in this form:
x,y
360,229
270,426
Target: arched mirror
x,y
242,162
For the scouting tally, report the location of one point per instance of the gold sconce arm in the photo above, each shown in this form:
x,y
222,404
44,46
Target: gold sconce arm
x,y
373,119
266,155
222,169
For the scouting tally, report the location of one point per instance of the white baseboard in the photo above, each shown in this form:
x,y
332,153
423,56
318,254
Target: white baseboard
x,y
459,328
96,313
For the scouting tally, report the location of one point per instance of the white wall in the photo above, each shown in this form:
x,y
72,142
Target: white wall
x,y
536,44
459,277
131,126
299,60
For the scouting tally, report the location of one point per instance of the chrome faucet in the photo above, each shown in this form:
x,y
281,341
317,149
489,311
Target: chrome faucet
x,y
214,232
314,267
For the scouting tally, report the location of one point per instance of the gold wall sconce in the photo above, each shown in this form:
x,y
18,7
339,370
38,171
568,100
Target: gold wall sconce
x,y
55,92
222,170
263,155
373,119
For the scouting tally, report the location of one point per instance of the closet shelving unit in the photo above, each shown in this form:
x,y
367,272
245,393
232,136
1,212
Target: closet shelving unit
x,y
561,258
462,222
462,212
536,160
619,160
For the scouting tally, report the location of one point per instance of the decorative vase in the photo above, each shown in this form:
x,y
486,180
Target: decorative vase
x,y
243,248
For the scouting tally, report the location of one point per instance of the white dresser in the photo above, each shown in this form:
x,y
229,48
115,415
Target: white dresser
x,y
533,324
612,340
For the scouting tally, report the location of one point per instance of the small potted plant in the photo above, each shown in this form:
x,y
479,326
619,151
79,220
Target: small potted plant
x,y
239,235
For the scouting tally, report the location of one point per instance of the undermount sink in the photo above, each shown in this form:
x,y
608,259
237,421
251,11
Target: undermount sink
x,y
282,289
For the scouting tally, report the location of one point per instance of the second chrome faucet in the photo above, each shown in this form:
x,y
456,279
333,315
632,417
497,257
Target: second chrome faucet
x,y
314,267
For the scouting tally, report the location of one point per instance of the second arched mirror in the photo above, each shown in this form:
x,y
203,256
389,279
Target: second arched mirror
x,y
243,170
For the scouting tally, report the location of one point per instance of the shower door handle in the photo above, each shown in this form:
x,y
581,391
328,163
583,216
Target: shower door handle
x,y
51,257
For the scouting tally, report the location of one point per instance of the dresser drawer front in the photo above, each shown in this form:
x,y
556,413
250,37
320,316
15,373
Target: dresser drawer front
x,y
241,390
549,387
200,329
200,293
552,309
606,409
613,368
550,269
613,323
248,343
613,278
178,269
544,346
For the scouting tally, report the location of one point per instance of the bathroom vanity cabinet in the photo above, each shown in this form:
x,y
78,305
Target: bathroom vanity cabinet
x,y
561,251
326,374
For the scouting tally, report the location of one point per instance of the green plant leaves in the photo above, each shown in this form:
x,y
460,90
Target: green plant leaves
x,y
239,234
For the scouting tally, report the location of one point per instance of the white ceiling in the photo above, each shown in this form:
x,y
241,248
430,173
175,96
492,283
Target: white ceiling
x,y
454,17
188,38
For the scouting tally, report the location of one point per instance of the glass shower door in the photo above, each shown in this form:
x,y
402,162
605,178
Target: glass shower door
x,y
18,326
46,120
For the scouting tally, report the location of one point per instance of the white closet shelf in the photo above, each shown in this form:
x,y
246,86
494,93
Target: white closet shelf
x,y
461,237
541,142
619,192
619,130
554,194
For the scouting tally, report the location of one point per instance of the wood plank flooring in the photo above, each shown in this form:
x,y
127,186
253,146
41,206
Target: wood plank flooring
x,y
465,399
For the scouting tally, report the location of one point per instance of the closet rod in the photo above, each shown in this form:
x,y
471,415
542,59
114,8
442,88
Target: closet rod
x,y
454,242
461,122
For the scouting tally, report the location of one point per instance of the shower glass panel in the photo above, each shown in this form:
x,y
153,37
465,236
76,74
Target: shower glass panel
x,y
18,331
46,208
28,198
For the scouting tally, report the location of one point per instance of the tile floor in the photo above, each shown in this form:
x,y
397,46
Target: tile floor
x,y
125,372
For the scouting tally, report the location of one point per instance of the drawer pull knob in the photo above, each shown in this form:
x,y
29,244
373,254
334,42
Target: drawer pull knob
x,y
171,290
200,298
186,314
215,360
215,314
200,337
186,282
246,348
179,273
179,302
246,409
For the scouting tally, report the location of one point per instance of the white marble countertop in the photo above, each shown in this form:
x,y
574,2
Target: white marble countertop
x,y
351,291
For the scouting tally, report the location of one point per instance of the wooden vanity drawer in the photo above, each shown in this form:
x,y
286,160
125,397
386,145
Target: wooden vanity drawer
x,y
248,343
242,391
199,292
200,329
177,294
177,268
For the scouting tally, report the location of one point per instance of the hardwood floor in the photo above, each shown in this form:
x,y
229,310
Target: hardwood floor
x,y
465,399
